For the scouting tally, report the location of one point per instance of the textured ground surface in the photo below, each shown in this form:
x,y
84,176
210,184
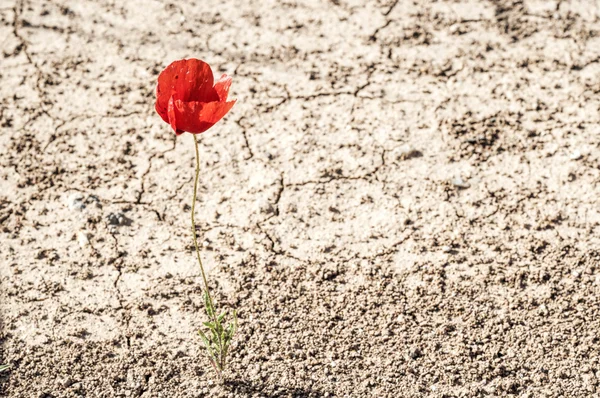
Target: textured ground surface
x,y
403,203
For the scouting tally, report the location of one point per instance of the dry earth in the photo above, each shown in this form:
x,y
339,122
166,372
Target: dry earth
x,y
403,203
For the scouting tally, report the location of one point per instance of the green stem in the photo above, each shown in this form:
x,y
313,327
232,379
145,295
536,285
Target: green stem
x,y
194,229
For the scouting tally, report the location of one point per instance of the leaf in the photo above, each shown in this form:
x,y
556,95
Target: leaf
x,y
220,317
210,325
230,331
212,352
204,339
4,367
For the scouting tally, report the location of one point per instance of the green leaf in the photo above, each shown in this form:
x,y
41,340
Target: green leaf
x,y
4,367
204,338
230,331
220,317
212,354
210,325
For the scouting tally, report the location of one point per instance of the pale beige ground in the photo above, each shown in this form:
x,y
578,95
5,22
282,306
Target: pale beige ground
x,y
403,203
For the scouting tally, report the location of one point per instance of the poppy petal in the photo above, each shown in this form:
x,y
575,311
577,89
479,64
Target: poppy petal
x,y
172,119
187,80
197,117
195,82
161,110
222,87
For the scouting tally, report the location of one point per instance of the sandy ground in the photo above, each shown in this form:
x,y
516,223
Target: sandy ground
x,y
403,203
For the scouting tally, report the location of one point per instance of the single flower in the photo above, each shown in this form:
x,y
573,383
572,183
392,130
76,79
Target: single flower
x,y
188,98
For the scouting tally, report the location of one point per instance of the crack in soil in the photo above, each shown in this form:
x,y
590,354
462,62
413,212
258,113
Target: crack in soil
x,y
44,100
117,263
143,177
246,141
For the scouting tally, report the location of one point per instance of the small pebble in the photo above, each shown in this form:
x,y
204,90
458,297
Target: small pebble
x,y
576,155
263,206
415,353
460,183
78,202
83,238
68,382
117,219
408,152
75,202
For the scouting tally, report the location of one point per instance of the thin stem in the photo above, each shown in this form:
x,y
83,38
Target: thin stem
x,y
194,229
219,352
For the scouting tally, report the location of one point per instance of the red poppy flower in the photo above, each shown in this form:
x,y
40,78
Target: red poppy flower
x,y
187,99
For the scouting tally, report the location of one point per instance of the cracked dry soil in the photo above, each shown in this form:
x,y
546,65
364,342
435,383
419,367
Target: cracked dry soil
x,y
403,202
